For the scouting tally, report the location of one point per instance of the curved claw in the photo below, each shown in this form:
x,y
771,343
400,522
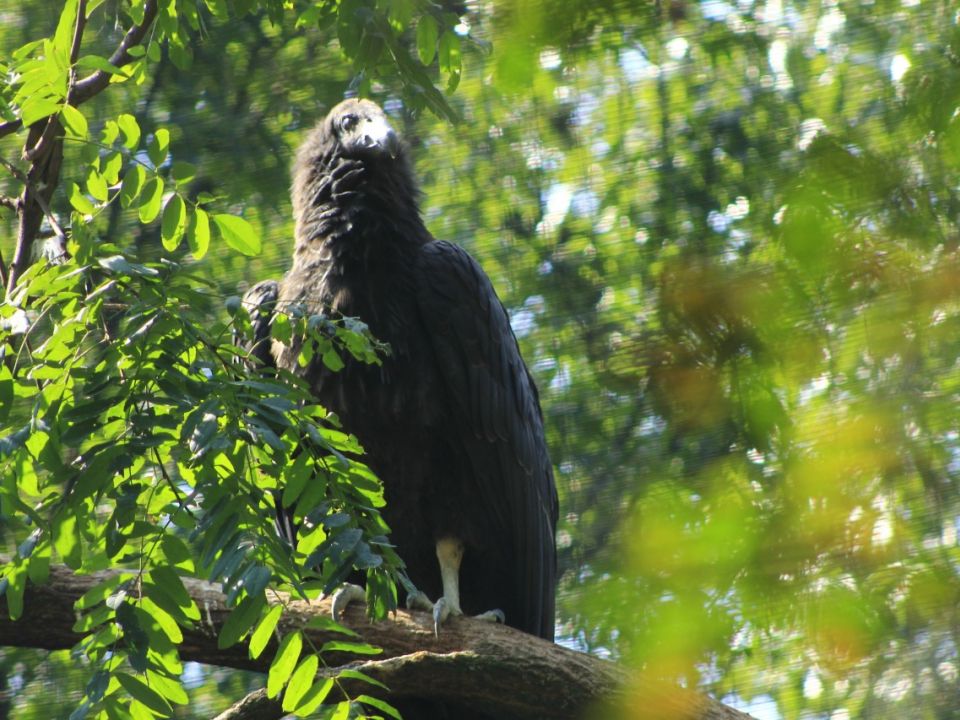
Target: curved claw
x,y
418,601
441,611
344,596
494,616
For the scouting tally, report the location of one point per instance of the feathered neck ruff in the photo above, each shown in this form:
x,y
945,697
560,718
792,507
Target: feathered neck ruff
x,y
353,206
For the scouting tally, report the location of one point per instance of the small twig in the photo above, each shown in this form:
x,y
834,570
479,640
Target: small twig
x,y
8,202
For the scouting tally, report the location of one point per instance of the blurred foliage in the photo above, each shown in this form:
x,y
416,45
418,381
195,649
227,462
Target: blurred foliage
x,y
726,234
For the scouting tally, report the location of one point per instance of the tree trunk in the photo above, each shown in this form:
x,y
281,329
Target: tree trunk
x,y
473,666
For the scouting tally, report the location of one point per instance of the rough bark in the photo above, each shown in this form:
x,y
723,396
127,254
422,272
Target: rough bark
x,y
500,671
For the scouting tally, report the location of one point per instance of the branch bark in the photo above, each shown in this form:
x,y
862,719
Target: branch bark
x,y
499,671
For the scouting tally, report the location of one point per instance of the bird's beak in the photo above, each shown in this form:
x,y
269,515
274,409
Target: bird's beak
x,y
377,133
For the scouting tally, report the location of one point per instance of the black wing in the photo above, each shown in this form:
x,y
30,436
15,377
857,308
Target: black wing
x,y
496,414
260,302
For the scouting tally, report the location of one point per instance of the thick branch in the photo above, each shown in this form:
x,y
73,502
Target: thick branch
x,y
491,668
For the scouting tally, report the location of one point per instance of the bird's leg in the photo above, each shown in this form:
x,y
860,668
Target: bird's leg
x,y
344,596
450,554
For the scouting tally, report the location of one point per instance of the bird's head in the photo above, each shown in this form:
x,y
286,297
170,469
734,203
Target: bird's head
x,y
363,130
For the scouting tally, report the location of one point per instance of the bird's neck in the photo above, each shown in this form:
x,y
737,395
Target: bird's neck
x,y
358,208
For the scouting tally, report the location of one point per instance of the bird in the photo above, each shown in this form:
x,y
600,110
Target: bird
x,y
450,420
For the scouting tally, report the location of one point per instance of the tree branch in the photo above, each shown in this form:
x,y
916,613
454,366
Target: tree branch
x,y
97,81
89,86
498,671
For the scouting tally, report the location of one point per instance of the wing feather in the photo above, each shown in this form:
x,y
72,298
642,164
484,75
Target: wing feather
x,y
497,420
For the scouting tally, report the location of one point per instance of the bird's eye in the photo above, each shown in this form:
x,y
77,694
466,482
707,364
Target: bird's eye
x,y
348,122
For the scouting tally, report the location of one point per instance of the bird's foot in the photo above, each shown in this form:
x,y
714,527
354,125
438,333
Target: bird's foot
x,y
344,596
494,616
417,600
442,609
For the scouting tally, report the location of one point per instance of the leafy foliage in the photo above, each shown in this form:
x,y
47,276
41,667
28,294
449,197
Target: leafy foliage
x,y
140,436
725,234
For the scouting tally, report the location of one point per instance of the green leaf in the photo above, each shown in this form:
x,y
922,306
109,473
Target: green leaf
x,y
314,697
400,14
66,538
166,578
380,705
74,121
238,234
300,681
449,58
284,662
264,631
119,265
164,620
16,579
241,620
328,624
351,674
342,712
95,62
38,108
111,166
147,695
350,647
131,131
110,132
132,185
331,358
151,201
80,202
183,172
97,186
100,592
199,235
173,223
427,39
158,146
218,8
63,36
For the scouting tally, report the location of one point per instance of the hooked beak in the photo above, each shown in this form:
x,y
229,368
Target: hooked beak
x,y
377,134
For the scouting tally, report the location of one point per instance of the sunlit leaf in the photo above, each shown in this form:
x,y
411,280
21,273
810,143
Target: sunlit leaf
x,y
157,147
264,631
173,223
145,694
427,39
283,663
131,131
151,200
74,121
300,681
238,233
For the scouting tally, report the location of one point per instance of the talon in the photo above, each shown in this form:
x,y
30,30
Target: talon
x,y
494,616
344,596
441,611
418,601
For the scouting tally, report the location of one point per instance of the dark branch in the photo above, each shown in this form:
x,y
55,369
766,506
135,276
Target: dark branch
x,y
496,670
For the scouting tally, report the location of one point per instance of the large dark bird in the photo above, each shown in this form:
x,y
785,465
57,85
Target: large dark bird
x,y
451,421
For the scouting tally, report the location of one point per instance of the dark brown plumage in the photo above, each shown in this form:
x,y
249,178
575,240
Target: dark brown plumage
x,y
451,421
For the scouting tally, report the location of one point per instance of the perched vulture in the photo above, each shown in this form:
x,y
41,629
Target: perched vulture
x,y
451,421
